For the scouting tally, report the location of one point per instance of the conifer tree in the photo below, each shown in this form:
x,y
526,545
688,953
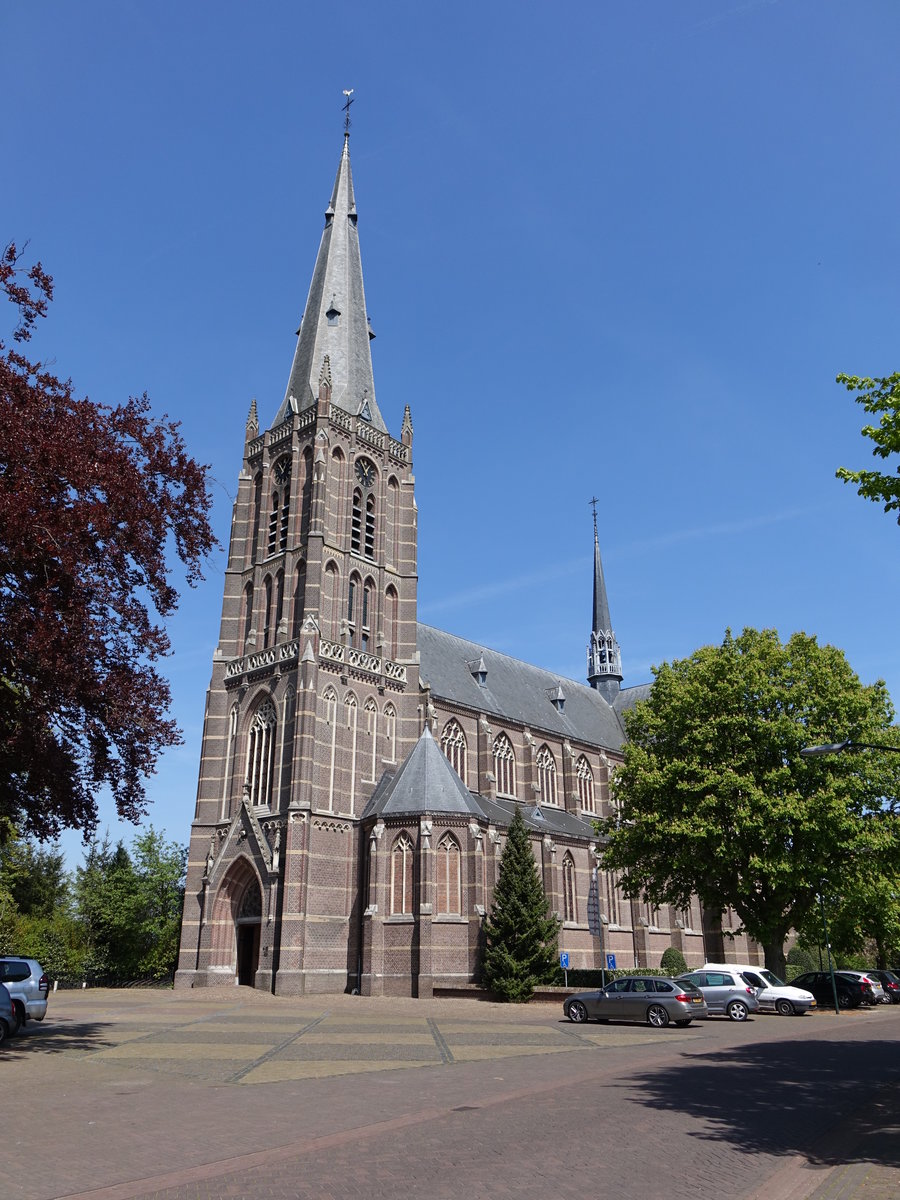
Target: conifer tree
x,y
520,933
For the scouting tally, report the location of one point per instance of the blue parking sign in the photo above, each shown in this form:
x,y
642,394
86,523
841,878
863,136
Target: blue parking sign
x,y
610,962
564,960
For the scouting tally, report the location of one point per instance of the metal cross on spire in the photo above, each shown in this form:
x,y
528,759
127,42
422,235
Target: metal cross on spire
x,y
593,503
348,92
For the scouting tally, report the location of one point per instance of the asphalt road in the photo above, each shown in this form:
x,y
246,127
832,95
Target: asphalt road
x,y
234,1093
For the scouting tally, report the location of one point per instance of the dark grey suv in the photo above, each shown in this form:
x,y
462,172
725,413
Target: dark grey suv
x,y
28,987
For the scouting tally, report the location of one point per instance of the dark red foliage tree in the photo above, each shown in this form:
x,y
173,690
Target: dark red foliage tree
x,y
90,497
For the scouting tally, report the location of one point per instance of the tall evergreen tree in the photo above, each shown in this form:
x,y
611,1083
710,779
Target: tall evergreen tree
x,y
520,933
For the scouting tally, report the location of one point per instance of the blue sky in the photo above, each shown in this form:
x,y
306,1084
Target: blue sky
x,y
610,249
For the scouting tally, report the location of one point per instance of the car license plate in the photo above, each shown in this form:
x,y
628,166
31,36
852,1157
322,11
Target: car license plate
x,y
696,999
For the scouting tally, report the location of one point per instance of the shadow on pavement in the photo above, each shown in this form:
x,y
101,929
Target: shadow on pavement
x,y
49,1038
789,1097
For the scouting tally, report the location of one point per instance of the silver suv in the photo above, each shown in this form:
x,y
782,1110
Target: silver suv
x,y
7,1014
28,986
724,992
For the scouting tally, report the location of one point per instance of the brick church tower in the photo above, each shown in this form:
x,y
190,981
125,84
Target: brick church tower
x,y
314,689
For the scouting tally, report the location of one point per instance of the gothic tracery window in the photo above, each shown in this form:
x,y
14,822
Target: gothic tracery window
x,y
261,756
402,876
453,744
546,769
585,780
448,889
504,766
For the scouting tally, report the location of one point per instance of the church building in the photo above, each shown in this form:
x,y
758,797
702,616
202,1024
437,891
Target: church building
x,y
359,770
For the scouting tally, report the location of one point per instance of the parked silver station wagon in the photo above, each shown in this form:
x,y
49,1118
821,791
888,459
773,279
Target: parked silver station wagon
x,y
645,998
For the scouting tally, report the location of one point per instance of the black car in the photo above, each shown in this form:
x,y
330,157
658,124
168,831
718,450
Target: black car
x,y
890,981
851,992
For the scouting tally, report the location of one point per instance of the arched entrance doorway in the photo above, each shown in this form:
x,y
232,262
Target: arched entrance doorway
x,y
247,927
236,921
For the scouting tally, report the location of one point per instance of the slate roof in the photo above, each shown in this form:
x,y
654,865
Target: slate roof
x,y
515,690
425,782
629,697
335,322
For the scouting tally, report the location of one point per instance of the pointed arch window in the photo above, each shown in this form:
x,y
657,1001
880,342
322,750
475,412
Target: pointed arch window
x,y
390,732
448,876
306,493
390,623
453,744
267,615
261,756
368,615
546,770
279,601
331,613
393,520
299,598
280,512
570,895
584,778
351,720
257,516
356,521
402,877
354,603
329,705
248,617
371,711
338,506
504,766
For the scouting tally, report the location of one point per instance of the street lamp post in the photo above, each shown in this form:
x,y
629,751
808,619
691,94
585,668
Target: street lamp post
x,y
837,1007
841,747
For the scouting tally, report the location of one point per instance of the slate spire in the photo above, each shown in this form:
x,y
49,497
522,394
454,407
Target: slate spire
x,y
604,658
335,322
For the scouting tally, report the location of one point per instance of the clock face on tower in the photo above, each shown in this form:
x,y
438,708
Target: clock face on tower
x,y
365,472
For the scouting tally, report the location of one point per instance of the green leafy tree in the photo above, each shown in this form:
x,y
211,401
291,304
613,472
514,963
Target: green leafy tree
x,y
520,933
714,798
672,961
863,918
130,907
881,398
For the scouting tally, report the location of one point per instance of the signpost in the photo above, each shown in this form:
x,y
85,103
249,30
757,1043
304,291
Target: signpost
x,y
564,963
595,924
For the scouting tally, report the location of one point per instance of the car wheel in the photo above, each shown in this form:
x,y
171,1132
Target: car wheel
x,y
784,1008
18,1017
657,1015
683,1024
4,1031
577,1012
737,1010
885,999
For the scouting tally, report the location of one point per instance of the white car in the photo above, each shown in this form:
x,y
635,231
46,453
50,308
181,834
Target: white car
x,y
872,980
773,994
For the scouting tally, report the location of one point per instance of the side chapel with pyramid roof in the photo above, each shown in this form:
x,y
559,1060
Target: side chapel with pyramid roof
x,y
359,770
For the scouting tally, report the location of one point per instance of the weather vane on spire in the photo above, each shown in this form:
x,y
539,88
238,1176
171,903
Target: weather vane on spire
x,y
593,503
348,92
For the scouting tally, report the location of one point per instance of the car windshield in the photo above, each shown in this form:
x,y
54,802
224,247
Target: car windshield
x,y
772,980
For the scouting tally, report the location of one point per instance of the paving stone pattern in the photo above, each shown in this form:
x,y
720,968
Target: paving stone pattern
x,y
241,1094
